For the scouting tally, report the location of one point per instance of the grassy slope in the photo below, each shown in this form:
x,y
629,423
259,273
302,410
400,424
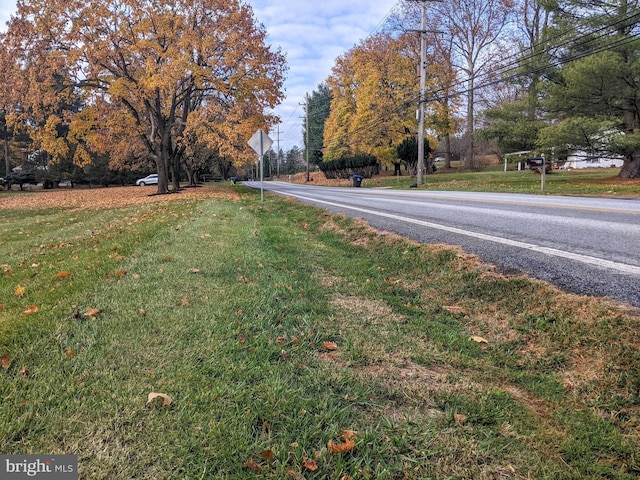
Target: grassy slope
x,y
225,304
559,182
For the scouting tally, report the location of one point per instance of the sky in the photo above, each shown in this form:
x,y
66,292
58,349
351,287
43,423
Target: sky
x,y
312,34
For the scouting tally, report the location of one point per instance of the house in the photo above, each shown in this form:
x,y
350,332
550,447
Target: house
x,y
582,159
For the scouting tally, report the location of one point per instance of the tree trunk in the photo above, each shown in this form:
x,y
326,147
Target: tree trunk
x,y
447,150
7,165
469,160
163,174
631,167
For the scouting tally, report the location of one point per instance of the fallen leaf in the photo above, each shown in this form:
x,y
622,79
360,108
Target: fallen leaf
x,y
92,312
348,435
478,339
194,270
19,291
166,399
252,465
31,310
142,312
70,353
459,418
120,273
61,275
267,455
309,464
185,301
349,443
2,306
25,372
331,346
337,448
4,360
483,342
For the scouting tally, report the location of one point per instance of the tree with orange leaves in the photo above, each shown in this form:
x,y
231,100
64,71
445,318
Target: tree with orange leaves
x,y
373,89
151,74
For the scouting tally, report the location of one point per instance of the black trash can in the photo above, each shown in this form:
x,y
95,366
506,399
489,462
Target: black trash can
x,y
357,180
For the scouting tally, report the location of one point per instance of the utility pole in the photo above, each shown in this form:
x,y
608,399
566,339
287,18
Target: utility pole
x,y
307,130
306,143
423,83
278,132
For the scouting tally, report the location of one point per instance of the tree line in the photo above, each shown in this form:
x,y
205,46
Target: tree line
x,y
546,77
136,85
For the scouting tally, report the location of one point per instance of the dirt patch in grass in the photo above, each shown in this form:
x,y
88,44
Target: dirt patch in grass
x,y
102,198
374,312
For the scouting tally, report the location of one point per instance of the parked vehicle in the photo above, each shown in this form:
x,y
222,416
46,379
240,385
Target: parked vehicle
x,y
148,180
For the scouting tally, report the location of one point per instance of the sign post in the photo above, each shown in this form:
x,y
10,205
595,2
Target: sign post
x,y
260,142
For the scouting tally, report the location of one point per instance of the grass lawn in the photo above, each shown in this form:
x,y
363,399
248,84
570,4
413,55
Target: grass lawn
x,y
596,181
290,343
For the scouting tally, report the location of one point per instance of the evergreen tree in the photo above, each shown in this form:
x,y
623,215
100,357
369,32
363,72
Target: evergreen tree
x,y
594,99
319,107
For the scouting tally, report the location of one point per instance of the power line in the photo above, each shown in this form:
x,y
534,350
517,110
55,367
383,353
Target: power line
x,y
511,70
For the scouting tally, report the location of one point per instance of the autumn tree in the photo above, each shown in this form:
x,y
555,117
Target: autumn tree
x,y
515,116
594,98
442,98
475,28
152,73
374,92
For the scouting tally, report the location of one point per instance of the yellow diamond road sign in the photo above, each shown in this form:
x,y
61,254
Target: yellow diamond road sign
x,y
260,142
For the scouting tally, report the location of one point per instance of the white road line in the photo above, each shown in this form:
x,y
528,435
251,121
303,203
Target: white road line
x,y
599,262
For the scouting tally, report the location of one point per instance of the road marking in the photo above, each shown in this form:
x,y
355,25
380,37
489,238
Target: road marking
x,y
599,262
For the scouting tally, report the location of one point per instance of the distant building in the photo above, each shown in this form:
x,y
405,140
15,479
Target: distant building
x,y
581,159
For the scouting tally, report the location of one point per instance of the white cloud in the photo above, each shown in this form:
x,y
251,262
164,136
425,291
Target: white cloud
x,y
313,34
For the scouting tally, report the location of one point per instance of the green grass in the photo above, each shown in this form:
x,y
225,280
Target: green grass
x,y
559,182
225,304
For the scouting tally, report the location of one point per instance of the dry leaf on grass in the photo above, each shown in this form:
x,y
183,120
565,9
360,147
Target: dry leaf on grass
x,y
252,465
331,346
166,399
92,312
267,455
19,291
480,340
459,418
31,310
61,275
4,360
349,443
309,464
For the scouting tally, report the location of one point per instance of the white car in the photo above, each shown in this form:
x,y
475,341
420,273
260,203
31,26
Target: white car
x,y
148,180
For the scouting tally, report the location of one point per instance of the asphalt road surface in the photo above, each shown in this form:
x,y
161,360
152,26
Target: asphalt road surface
x,y
585,245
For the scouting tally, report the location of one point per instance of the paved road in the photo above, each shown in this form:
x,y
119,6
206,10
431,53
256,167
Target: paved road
x,y
586,245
